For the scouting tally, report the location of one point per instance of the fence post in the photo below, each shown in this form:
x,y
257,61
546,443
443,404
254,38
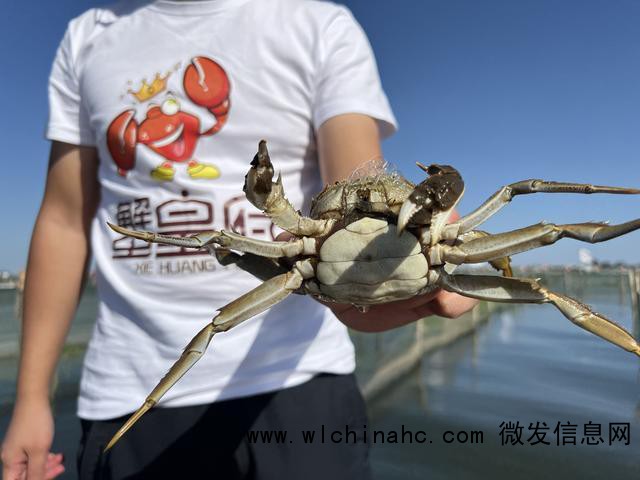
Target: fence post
x,y
634,292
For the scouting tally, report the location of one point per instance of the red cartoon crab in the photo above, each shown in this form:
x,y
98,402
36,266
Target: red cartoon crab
x,y
167,130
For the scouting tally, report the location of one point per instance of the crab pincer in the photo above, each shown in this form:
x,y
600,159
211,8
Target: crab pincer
x,y
439,192
258,182
269,197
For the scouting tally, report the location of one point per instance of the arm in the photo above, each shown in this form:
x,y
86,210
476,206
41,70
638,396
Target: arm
x,y
344,143
58,258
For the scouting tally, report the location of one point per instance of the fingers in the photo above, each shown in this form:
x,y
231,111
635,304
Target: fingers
x,y
451,305
54,466
396,314
284,237
338,308
416,302
373,321
385,316
38,466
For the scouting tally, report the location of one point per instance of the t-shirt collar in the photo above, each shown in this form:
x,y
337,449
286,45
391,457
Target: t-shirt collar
x,y
194,7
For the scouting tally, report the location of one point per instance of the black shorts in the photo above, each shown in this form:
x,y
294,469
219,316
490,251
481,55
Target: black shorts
x,y
311,431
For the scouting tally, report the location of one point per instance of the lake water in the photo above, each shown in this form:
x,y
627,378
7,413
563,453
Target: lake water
x,y
527,365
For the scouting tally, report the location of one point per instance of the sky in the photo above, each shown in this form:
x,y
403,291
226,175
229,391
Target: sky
x,y
503,90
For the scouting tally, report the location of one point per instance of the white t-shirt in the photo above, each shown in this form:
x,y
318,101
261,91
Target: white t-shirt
x,y
175,97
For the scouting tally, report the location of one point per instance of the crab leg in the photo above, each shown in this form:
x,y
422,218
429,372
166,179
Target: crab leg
x,y
251,303
260,267
502,264
269,197
520,290
524,187
231,240
505,244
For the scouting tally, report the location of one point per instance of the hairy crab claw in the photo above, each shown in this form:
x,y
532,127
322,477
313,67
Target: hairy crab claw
x,y
258,181
440,191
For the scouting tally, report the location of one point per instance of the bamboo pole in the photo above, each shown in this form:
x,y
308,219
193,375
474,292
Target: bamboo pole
x,y
634,292
402,364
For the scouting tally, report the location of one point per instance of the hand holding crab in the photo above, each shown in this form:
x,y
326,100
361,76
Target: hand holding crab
x,y
386,316
381,239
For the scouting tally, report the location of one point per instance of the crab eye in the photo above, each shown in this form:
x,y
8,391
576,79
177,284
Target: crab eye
x,y
170,106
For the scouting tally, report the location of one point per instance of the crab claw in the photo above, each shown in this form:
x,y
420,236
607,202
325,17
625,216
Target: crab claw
x,y
258,183
441,191
409,209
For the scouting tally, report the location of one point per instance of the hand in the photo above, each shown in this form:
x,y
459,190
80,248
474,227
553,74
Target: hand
x,y
395,314
25,449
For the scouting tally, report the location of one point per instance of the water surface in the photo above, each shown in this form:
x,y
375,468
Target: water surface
x,y
527,365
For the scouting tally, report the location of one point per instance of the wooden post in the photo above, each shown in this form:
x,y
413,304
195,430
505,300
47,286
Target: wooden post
x,y
634,292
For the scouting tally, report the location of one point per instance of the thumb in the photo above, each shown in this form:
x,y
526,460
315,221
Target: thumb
x,y
14,466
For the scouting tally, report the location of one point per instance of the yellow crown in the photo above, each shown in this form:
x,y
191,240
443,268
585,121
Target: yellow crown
x,y
150,90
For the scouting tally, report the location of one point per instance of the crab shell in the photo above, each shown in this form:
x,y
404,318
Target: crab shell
x,y
363,260
366,262
381,194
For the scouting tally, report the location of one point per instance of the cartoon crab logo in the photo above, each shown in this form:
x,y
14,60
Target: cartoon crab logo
x,y
167,130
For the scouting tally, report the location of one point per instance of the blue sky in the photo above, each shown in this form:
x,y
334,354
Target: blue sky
x,y
503,90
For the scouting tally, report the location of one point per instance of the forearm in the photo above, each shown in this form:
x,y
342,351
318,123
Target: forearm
x,y
56,266
346,143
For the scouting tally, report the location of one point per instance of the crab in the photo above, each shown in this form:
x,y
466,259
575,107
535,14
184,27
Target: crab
x,y
380,238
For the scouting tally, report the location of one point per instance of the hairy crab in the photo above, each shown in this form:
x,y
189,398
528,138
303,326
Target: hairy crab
x,y
380,238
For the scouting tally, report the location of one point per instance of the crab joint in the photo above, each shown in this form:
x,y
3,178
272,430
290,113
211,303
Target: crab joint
x,y
305,268
440,254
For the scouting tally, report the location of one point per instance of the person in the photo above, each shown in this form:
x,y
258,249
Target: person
x,y
155,111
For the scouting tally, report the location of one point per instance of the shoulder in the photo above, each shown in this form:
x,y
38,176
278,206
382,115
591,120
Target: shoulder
x,y
85,28
319,13
320,8
316,24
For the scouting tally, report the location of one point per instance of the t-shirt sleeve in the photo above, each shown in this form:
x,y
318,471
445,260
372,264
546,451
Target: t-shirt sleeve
x,y
348,80
68,119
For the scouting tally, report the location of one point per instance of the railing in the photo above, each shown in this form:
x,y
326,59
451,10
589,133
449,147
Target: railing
x,y
384,358
634,290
